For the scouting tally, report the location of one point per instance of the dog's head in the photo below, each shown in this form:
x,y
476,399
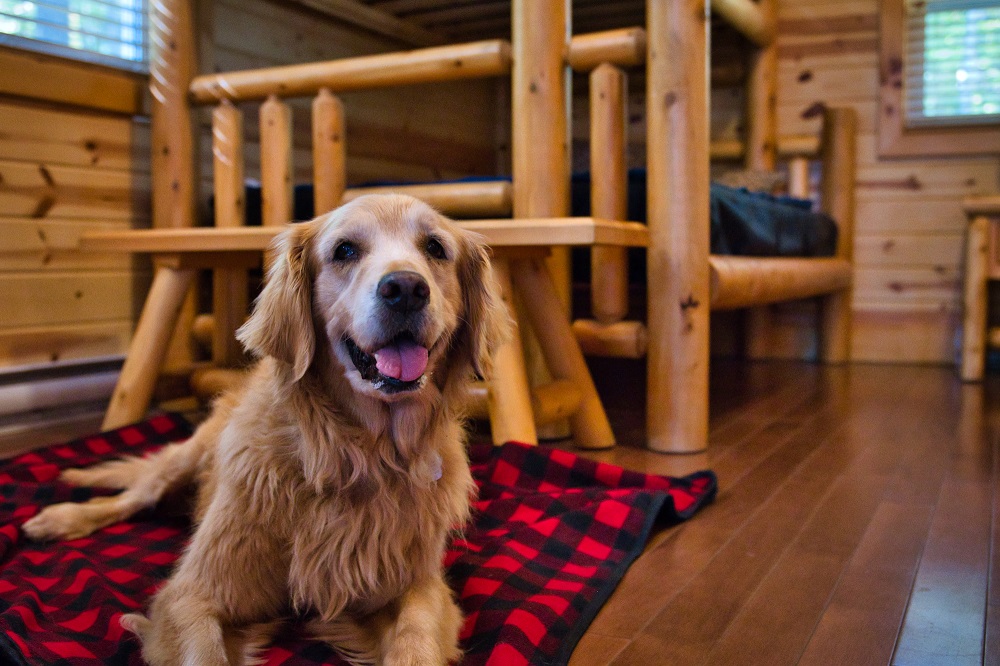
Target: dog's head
x,y
399,293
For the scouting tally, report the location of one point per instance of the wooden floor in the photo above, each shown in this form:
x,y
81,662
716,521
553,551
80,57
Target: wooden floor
x,y
854,524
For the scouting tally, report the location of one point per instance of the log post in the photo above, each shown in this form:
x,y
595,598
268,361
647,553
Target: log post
x,y
540,141
839,156
329,152
591,429
172,65
171,68
798,177
230,285
608,189
761,155
976,299
276,162
148,348
511,417
678,218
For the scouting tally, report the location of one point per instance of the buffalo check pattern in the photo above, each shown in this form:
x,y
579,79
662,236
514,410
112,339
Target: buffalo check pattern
x,y
551,536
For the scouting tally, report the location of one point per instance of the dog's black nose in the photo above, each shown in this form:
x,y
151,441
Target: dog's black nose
x,y
404,291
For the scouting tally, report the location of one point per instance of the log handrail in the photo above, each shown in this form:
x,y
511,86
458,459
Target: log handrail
x,y
436,64
625,47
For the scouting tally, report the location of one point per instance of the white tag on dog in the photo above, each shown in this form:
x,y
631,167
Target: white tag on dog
x,y
436,466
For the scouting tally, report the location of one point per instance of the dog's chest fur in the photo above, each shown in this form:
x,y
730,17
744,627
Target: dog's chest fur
x,y
376,537
360,540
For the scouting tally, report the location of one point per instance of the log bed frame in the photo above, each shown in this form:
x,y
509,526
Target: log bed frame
x,y
685,282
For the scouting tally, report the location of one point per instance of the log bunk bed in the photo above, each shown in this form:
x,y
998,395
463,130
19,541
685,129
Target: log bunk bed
x,y
684,280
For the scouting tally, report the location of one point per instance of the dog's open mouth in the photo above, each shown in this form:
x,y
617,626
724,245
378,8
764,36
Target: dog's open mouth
x,y
394,368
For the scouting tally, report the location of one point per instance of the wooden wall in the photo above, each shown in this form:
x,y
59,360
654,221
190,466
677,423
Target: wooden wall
x,y
64,170
909,220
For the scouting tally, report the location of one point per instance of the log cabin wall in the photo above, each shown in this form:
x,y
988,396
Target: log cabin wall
x,y
909,220
74,155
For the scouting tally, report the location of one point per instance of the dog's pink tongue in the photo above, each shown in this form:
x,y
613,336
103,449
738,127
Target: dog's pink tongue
x,y
404,360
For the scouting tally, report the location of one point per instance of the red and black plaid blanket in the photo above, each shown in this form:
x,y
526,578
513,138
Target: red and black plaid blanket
x,y
552,535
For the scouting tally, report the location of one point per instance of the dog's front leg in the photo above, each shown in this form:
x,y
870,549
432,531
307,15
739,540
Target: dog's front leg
x,y
425,632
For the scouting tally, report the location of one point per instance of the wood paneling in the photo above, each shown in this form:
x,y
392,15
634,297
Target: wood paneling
x,y
35,345
909,218
64,171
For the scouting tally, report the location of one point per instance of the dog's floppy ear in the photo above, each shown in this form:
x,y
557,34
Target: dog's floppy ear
x,y
281,324
487,320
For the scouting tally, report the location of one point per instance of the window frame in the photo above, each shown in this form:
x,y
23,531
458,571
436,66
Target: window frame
x,y
894,138
75,83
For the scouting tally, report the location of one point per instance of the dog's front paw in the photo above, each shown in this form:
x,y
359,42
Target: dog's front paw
x,y
60,521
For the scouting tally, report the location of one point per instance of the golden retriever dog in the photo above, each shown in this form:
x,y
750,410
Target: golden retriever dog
x,y
329,482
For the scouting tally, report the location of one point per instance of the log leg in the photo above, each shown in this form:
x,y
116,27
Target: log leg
x,y
976,299
591,429
511,416
149,347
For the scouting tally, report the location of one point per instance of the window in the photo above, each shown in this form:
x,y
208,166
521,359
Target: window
x,y
952,62
110,32
939,68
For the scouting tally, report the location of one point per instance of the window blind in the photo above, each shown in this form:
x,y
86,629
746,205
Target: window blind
x,y
109,32
952,62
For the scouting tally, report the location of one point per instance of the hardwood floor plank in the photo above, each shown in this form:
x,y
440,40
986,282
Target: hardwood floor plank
x,y
596,649
945,618
991,641
863,617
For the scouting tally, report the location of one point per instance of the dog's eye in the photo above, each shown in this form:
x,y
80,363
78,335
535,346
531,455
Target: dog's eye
x,y
345,252
435,249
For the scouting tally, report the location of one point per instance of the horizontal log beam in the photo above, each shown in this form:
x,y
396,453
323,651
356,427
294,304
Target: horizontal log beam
x,y
982,205
748,18
739,282
526,232
475,199
549,402
210,382
625,48
622,339
435,64
802,145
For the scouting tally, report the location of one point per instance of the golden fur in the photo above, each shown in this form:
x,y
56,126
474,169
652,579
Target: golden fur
x,y
319,491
